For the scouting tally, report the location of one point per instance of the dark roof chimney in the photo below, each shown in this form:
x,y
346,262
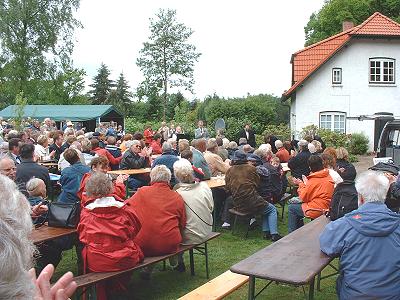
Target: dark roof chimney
x,y
347,25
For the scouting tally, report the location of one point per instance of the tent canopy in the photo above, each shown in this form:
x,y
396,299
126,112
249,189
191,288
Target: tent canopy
x,y
62,112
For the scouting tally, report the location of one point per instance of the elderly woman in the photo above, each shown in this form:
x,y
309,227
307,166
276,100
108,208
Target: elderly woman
x,y
17,252
42,148
161,212
71,177
36,189
345,168
107,230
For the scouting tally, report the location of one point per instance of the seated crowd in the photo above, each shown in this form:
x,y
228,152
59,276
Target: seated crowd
x,y
171,205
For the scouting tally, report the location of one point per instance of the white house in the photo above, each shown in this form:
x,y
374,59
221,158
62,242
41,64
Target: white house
x,y
348,82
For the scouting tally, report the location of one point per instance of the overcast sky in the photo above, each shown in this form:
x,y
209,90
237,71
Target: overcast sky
x,y
245,45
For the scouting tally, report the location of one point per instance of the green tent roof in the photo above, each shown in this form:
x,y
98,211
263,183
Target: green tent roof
x,y
60,112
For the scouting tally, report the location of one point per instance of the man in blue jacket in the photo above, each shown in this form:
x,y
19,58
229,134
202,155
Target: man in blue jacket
x,y
367,240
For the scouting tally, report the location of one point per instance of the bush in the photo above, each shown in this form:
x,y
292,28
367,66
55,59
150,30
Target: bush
x,y
358,144
281,131
333,138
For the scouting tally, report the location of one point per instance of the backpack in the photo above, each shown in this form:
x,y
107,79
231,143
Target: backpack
x,y
344,200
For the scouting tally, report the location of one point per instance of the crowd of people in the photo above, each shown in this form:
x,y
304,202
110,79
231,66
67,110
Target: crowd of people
x,y
172,205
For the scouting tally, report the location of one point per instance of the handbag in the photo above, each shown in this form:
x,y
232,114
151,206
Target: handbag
x,y
64,214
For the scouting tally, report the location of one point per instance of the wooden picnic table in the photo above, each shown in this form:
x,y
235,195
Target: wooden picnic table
x,y
215,182
295,259
46,233
130,171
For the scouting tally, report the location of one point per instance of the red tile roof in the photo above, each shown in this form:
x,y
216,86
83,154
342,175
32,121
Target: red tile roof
x,y
306,61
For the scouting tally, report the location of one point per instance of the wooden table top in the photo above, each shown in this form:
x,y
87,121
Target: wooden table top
x,y
46,233
216,182
294,259
130,171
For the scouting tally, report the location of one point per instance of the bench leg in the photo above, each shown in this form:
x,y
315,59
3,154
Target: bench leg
x,y
311,291
283,211
252,287
248,228
191,262
214,227
234,224
206,255
319,282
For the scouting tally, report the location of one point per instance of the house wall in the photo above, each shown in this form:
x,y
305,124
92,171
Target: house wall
x,y
355,96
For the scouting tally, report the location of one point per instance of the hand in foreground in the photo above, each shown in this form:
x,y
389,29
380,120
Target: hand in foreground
x,y
38,210
121,178
297,181
390,177
61,290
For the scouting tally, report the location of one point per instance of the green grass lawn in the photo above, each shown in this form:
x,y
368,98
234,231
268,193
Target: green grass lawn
x,y
224,251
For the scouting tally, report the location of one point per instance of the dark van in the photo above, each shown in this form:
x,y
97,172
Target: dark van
x,y
389,141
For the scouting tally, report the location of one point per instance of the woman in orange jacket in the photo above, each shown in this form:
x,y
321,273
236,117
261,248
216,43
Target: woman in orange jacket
x,y
315,192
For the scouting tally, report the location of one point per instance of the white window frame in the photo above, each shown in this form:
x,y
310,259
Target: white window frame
x,y
382,70
336,75
333,121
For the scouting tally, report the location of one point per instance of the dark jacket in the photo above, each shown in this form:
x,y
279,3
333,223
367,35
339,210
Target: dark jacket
x,y
231,153
252,137
59,150
167,158
28,169
349,172
115,152
274,185
70,182
393,197
367,241
344,199
242,183
132,160
299,164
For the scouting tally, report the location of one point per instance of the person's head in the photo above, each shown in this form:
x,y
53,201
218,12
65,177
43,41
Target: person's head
x,y
95,143
136,147
200,123
58,139
14,145
111,140
264,153
242,141
43,141
303,145
163,123
342,153
12,134
7,167
232,145
311,148
278,144
183,145
71,156
36,123
247,148
36,188
178,129
187,154
76,145
70,139
201,145
86,145
137,136
239,158
157,137
254,160
99,164
160,173
172,126
315,163
26,151
275,161
331,151
317,145
287,145
225,143
99,185
147,126
166,147
219,141
247,126
127,137
372,186
183,171
173,143
70,124
212,146
329,161
47,121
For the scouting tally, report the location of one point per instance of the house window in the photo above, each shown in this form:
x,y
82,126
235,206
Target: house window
x,y
334,121
381,70
337,76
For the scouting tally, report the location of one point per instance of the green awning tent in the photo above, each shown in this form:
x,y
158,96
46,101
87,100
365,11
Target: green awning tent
x,y
63,112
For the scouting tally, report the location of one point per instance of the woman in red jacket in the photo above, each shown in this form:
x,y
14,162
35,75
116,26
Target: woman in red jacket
x,y
107,230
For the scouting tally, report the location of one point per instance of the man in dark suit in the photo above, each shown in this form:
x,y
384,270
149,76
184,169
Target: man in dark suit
x,y
13,150
28,169
249,135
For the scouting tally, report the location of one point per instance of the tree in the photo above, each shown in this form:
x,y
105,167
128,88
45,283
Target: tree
x,y
167,59
36,41
328,21
121,97
101,85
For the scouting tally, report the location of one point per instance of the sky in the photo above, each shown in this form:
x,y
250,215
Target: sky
x,y
246,46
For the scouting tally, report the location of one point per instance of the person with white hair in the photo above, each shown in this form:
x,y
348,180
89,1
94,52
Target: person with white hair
x,y
161,211
42,148
16,257
367,240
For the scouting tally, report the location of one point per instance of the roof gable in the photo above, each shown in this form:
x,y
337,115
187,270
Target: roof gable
x,y
306,61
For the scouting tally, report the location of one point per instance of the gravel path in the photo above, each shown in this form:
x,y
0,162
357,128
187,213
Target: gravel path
x,y
364,162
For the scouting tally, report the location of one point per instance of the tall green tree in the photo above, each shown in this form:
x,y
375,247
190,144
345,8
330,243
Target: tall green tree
x,y
328,21
122,97
167,59
36,38
101,86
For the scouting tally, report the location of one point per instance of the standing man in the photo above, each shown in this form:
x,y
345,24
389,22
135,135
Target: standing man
x,y
201,132
13,150
249,135
164,131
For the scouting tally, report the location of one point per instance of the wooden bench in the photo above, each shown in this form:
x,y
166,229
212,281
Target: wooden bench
x,y
285,198
217,288
91,279
295,259
246,217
